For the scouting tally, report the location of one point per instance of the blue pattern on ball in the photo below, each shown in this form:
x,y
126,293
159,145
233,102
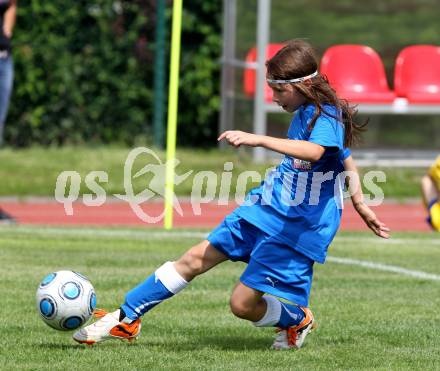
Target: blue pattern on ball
x,y
92,302
71,290
72,323
46,307
48,279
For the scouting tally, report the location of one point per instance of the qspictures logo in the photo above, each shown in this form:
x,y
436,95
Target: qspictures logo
x,y
210,187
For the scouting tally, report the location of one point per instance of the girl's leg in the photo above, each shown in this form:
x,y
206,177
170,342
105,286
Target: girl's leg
x,y
294,322
247,303
429,190
263,311
165,282
198,259
169,279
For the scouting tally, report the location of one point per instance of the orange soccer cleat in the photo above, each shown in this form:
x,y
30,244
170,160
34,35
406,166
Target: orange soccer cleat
x,y
106,328
294,336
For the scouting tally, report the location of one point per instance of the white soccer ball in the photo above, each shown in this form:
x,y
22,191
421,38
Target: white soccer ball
x,y
65,300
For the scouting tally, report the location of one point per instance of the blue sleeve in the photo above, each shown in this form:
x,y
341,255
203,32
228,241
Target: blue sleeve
x,y
344,154
328,132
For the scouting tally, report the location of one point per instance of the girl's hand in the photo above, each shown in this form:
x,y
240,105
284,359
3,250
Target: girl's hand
x,y
371,220
7,32
236,138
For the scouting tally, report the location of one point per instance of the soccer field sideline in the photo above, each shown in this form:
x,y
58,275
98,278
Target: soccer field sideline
x,y
149,235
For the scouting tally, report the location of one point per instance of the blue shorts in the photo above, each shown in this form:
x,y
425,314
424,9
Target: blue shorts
x,y
273,267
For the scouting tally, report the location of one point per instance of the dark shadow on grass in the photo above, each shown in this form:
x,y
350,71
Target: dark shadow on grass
x,y
234,343
59,346
85,346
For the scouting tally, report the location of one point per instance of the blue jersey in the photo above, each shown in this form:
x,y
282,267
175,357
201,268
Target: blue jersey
x,y
299,202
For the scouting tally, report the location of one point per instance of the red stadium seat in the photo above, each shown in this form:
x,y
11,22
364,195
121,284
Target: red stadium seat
x,y
417,74
249,73
357,74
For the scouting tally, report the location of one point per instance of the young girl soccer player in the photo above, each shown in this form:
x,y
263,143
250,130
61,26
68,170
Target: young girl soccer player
x,y
284,225
431,194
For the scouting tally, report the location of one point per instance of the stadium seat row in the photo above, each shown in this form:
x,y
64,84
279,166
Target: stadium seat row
x,y
358,75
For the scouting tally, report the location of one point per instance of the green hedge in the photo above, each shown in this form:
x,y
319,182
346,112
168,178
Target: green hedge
x,y
84,71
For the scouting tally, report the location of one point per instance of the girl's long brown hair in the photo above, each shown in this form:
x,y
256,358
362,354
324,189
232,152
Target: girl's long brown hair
x,y
298,59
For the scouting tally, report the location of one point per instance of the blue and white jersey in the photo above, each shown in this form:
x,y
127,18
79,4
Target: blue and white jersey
x,y
300,202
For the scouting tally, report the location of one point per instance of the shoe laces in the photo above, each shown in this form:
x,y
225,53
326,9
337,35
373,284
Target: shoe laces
x,y
292,336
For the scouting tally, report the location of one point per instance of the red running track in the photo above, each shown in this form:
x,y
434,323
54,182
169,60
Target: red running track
x,y
399,217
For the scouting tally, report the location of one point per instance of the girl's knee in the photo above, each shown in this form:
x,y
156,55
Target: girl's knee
x,y
241,306
238,307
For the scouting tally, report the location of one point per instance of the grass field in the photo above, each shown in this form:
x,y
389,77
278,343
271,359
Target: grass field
x,y
369,317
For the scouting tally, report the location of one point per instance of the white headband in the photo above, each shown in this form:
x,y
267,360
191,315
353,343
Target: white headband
x,y
299,79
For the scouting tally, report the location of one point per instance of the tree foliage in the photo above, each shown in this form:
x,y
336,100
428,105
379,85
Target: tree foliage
x,y
84,71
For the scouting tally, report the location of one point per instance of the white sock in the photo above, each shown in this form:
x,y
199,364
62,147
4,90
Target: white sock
x,y
273,312
170,278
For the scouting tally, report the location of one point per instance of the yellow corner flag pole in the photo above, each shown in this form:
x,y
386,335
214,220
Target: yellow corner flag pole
x,y
172,112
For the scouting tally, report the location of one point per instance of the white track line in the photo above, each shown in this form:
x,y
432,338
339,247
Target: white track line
x,y
149,234
435,240
385,267
102,232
